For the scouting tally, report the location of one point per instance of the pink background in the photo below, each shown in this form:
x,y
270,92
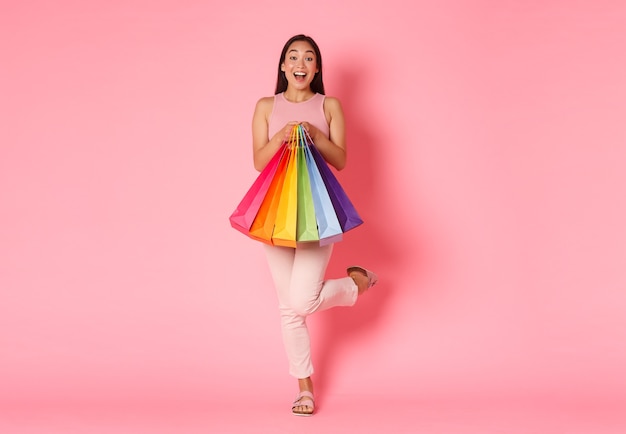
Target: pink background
x,y
486,154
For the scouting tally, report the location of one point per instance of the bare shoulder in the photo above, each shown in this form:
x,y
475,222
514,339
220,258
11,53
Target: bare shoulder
x,y
265,104
263,110
332,108
332,103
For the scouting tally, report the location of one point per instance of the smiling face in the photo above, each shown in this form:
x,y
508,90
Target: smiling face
x,y
300,65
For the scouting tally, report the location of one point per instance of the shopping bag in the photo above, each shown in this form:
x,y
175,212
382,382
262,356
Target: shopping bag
x,y
346,213
328,227
296,199
243,216
287,212
307,227
263,225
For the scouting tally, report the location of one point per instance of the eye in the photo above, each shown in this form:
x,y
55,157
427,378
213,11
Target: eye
x,y
293,58
310,59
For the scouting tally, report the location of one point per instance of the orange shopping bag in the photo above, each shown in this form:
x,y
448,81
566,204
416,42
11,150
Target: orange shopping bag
x,y
262,227
286,214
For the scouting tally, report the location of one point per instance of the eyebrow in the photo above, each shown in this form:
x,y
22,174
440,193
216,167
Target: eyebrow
x,y
307,51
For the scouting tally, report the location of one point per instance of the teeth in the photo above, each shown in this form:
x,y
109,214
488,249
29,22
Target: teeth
x,y
299,73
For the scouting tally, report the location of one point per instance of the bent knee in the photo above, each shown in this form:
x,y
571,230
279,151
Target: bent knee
x,y
305,299
304,306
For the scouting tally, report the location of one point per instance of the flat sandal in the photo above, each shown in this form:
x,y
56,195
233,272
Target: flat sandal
x,y
304,399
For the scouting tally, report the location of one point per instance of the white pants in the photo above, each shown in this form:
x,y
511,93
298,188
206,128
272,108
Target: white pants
x,y
299,280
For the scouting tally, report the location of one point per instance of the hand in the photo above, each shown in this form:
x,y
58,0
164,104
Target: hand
x,y
313,132
285,132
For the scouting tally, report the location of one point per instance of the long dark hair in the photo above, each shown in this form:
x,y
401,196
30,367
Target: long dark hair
x,y
317,85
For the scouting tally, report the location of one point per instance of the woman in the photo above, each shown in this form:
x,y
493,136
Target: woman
x,y
298,273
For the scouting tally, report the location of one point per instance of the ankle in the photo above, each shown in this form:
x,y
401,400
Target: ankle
x,y
305,384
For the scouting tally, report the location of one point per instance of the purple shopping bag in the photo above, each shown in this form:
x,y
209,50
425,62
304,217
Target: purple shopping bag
x,y
346,213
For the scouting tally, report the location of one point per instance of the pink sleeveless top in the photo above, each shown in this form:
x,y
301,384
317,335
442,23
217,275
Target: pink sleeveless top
x,y
311,111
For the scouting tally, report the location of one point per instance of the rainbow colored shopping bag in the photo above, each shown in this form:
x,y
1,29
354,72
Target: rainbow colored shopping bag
x,y
296,199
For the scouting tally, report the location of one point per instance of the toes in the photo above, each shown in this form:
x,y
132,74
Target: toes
x,y
303,409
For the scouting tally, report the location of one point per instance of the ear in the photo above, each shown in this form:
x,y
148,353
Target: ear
x,y
282,67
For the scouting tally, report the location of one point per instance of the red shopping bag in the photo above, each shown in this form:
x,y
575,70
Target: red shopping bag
x,y
245,213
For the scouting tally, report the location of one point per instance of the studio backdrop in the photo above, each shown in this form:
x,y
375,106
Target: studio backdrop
x,y
486,149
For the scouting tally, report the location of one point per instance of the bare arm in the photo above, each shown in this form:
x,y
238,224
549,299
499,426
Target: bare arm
x,y
263,150
333,149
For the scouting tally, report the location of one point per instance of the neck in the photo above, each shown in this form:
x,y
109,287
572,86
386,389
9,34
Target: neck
x,y
292,95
